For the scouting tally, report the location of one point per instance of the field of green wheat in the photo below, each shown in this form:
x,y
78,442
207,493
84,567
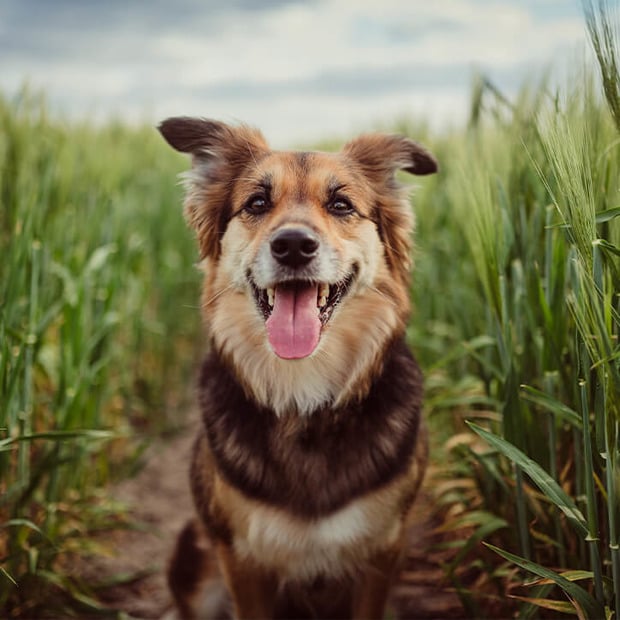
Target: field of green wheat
x,y
517,317
97,320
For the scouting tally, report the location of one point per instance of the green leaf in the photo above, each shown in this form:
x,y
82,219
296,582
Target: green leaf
x,y
609,247
551,404
550,488
486,529
607,215
99,257
22,522
70,288
563,607
468,519
571,575
67,586
468,347
591,607
8,576
60,436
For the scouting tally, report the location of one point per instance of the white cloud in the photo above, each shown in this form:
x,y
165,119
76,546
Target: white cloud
x,y
297,69
304,39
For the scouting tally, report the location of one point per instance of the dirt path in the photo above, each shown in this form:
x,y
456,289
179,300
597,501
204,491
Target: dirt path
x,y
158,498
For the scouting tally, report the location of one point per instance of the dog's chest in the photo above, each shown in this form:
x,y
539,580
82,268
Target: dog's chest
x,y
332,545
315,465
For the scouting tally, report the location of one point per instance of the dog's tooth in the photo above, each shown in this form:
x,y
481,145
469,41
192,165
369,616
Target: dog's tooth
x,y
322,301
324,290
271,296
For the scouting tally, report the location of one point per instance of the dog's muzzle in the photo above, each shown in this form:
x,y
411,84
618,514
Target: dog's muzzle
x,y
300,302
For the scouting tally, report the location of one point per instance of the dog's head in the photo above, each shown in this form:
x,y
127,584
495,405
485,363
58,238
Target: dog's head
x,y
307,254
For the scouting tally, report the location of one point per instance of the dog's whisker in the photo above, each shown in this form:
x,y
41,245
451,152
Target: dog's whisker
x,y
401,255
248,178
251,151
380,292
218,294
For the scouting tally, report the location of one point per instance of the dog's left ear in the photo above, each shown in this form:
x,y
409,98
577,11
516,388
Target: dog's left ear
x,y
381,155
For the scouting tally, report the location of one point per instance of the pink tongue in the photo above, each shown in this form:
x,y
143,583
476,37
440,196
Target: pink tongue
x,y
294,326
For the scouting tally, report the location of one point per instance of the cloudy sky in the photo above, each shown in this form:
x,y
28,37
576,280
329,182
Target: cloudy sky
x,y
298,69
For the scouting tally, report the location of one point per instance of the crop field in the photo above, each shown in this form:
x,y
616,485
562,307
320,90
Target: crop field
x,y
517,316
97,324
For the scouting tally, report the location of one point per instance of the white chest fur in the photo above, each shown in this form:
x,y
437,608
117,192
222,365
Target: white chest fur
x,y
332,545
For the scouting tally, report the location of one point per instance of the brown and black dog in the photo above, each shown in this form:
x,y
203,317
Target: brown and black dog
x,y
312,447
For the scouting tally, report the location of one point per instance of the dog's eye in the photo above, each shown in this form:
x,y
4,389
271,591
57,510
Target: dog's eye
x,y
257,205
340,206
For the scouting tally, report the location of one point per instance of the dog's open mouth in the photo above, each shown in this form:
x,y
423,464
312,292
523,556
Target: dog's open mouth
x,y
296,311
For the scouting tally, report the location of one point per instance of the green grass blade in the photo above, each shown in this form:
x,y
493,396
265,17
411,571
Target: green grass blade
x,y
550,488
592,512
563,607
95,435
590,606
483,531
608,247
6,574
611,471
522,521
551,404
605,44
607,215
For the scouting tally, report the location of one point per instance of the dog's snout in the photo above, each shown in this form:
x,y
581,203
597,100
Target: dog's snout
x,y
294,247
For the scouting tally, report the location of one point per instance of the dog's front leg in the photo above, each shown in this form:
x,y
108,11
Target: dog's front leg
x,y
372,589
252,588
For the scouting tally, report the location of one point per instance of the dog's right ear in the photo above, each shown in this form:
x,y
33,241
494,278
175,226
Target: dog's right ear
x,y
220,153
191,135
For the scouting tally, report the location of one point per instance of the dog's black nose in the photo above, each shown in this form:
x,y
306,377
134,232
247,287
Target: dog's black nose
x,y
294,247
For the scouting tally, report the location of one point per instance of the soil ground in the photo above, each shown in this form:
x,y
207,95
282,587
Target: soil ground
x,y
159,500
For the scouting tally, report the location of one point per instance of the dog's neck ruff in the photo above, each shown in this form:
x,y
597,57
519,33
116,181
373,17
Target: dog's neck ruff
x,y
339,369
315,464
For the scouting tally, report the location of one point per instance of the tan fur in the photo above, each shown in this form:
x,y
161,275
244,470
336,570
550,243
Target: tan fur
x,y
262,547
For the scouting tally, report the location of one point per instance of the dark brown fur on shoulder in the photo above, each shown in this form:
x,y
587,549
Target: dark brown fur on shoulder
x,y
313,447
316,464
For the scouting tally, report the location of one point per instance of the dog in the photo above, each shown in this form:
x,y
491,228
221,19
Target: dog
x,y
312,446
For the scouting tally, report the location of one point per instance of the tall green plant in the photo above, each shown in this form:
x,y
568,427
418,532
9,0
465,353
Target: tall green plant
x,y
605,38
550,283
96,286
